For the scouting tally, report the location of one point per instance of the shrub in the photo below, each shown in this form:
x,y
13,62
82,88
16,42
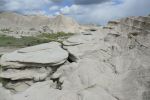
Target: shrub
x,y
5,30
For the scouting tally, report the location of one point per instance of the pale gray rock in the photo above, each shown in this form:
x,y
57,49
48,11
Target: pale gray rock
x,y
108,64
37,74
4,50
84,74
43,90
33,64
47,93
18,86
50,54
131,60
75,40
96,93
82,45
5,94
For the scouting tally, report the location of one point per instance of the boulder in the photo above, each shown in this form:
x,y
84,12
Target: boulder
x,y
43,90
47,93
48,54
31,64
37,74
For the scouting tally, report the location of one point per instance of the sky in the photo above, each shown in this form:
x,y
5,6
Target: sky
x,y
84,11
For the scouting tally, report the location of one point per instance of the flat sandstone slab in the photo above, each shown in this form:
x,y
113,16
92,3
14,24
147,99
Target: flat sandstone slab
x,y
48,53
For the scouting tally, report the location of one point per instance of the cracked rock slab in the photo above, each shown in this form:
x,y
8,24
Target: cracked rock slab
x,y
50,54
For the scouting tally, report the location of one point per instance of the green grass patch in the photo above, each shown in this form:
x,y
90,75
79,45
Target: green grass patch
x,y
31,40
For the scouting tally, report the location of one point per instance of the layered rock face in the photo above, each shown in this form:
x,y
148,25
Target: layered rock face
x,y
31,64
106,64
64,24
140,24
132,60
14,24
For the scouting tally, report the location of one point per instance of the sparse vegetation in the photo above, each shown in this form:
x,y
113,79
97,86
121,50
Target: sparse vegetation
x,y
0,80
55,37
5,30
4,81
31,40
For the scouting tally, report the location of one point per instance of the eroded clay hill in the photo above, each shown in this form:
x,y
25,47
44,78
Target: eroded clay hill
x,y
20,25
109,63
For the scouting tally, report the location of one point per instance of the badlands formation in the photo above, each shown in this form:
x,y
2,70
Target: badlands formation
x,y
17,25
101,63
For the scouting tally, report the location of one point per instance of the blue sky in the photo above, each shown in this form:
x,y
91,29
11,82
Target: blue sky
x,y
84,11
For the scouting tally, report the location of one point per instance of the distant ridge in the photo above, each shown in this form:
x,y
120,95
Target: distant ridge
x,y
64,23
27,25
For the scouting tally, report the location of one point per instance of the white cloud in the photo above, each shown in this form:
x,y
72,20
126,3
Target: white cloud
x,y
22,5
87,2
35,12
57,13
86,13
65,10
74,9
54,8
101,13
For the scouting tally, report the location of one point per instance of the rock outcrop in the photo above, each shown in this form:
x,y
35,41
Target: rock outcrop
x,y
64,24
139,25
110,63
17,25
48,54
130,39
32,63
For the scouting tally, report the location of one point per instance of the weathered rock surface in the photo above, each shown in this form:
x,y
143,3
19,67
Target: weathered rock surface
x,y
106,64
48,93
34,63
131,58
139,25
5,94
37,74
48,54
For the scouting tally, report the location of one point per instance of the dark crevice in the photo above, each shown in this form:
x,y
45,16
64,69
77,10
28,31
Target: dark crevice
x,y
72,58
93,30
58,83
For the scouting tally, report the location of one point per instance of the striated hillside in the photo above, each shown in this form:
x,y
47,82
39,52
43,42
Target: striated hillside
x,y
63,23
139,25
20,25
